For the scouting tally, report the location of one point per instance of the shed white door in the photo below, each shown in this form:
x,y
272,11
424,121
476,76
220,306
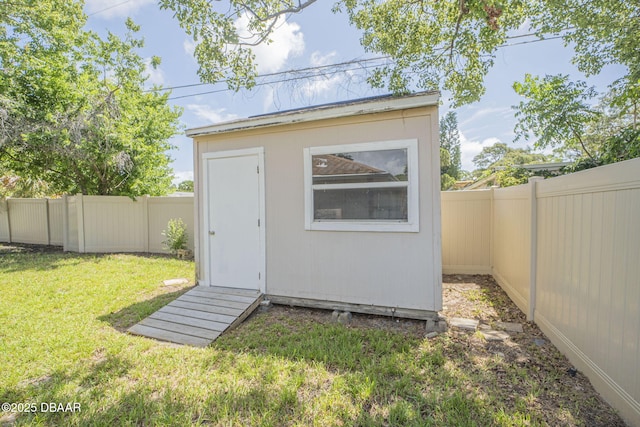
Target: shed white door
x,y
233,218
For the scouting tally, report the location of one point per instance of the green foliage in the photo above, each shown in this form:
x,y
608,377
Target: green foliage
x,y
505,163
176,235
451,44
435,44
602,32
556,112
500,154
560,115
222,46
450,142
77,115
622,146
186,186
12,185
446,182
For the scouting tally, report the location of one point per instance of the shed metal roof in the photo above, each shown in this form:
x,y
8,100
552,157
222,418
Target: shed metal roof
x,y
355,107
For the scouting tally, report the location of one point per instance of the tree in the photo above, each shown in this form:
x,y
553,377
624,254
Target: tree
x,y
74,112
560,115
451,44
506,164
556,112
186,186
450,164
224,33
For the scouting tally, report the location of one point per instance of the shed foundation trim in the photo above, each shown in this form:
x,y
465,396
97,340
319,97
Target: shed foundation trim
x,y
405,313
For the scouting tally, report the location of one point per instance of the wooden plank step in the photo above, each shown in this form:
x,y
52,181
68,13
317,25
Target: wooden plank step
x,y
199,316
183,329
215,317
231,291
214,301
222,296
205,307
191,321
163,335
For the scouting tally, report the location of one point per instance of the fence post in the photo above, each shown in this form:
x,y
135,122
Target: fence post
x,y
492,228
80,207
533,256
65,223
46,214
145,220
5,202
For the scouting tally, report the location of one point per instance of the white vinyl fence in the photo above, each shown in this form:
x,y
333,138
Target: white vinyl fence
x,y
94,223
567,251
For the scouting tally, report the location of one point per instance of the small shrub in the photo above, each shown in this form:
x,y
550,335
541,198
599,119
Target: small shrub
x,y
176,236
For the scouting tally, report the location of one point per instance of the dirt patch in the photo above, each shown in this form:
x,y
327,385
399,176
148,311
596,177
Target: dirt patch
x,y
8,248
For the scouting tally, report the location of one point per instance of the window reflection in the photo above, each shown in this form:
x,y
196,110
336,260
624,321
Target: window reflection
x,y
360,167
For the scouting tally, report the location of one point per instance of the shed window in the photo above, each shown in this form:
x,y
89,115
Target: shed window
x,y
362,187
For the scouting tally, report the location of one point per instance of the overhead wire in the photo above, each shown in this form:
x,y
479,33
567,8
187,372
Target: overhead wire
x,y
318,68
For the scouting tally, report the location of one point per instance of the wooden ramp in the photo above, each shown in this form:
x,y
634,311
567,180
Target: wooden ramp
x,y
199,316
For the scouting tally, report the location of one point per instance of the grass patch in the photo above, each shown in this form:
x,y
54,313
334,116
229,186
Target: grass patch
x,y
62,341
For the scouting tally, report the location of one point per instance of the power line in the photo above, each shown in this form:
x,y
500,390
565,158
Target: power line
x,y
264,83
108,8
316,69
280,73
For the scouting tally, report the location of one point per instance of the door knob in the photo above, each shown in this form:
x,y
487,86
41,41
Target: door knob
x,y
211,233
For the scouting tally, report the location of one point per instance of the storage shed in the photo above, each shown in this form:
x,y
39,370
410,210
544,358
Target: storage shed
x,y
334,206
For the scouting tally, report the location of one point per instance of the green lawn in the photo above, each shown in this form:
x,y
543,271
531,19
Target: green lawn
x,y
62,318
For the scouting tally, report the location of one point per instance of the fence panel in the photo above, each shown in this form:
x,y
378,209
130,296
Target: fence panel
x,y
588,269
56,212
114,224
511,242
161,210
72,243
466,232
29,221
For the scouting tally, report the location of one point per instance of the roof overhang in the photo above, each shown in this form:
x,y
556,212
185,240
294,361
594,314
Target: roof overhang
x,y
323,112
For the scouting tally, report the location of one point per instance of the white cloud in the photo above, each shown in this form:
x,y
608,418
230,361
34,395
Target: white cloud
x,y
286,41
189,46
319,60
179,176
156,75
322,83
483,115
471,148
114,8
209,114
269,99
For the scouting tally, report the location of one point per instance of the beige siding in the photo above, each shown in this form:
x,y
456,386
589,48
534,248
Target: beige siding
x,y
28,219
466,232
385,268
161,210
512,242
588,270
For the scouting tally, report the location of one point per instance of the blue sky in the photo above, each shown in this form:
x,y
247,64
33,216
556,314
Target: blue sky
x,y
312,38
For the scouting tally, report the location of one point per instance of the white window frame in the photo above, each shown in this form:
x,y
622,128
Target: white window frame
x,y
412,222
